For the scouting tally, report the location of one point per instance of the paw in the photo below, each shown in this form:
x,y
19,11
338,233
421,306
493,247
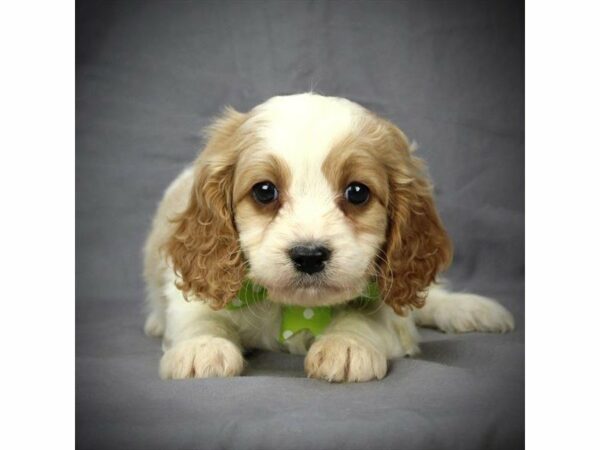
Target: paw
x,y
475,313
337,358
202,357
154,326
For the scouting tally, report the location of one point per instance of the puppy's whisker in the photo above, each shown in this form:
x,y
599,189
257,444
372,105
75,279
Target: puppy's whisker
x,y
382,298
248,317
254,303
389,270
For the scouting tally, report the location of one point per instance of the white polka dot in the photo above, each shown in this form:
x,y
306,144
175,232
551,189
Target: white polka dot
x,y
287,334
308,313
236,302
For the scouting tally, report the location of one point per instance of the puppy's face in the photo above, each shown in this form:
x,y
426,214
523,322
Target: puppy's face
x,y
310,200
311,197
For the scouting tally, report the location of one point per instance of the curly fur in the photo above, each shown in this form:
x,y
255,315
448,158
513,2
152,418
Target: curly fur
x,y
204,248
417,246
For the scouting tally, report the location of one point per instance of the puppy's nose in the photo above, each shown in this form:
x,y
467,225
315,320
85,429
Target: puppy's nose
x,y
309,258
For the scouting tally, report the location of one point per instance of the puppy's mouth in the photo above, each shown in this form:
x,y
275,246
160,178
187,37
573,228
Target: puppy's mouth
x,y
312,291
305,284
316,281
298,281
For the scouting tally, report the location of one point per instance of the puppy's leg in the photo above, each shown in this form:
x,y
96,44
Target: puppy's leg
x,y
155,321
460,312
199,342
357,344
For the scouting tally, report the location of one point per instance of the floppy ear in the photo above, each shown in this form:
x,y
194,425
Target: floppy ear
x,y
204,248
417,245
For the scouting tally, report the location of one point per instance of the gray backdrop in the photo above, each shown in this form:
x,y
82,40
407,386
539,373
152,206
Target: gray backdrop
x,y
150,75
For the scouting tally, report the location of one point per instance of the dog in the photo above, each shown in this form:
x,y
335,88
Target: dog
x,y
306,209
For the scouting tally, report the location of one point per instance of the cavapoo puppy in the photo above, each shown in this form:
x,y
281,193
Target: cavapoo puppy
x,y
306,225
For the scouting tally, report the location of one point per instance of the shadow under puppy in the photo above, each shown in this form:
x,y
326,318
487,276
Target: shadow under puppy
x,y
306,225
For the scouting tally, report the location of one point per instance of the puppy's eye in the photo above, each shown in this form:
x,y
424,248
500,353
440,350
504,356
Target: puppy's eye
x,y
357,193
265,192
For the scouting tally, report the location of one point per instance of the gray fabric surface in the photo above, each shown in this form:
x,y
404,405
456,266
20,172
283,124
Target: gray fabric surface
x,y
150,75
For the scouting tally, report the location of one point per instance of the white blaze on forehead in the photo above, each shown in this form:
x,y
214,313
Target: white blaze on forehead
x,y
301,130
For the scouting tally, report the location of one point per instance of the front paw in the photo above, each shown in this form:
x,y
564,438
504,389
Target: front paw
x,y
338,358
202,357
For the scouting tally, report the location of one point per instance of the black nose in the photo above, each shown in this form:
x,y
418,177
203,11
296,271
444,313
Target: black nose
x,y
309,258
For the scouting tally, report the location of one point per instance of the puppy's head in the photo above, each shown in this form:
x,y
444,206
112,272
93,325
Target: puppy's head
x,y
311,197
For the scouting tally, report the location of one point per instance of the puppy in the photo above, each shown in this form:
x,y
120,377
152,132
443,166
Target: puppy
x,y
307,209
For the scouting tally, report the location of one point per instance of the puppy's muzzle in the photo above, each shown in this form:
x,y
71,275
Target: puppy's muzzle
x,y
309,258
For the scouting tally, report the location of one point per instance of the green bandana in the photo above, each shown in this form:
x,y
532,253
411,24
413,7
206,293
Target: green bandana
x,y
296,318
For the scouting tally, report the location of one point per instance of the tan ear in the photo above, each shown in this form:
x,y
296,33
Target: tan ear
x,y
204,248
417,245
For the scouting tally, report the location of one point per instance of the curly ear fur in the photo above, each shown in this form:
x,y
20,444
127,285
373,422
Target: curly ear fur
x,y
204,248
417,245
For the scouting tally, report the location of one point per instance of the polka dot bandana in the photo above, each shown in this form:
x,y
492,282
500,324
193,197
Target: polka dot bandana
x,y
296,318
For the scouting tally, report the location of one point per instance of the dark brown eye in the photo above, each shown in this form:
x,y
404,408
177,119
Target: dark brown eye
x,y
357,193
264,192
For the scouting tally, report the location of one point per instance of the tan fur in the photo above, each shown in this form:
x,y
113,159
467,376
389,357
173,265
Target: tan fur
x,y
204,247
352,161
417,246
252,170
